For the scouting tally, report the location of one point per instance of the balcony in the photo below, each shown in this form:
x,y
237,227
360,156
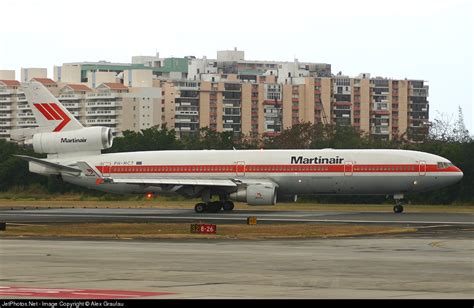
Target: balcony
x,y
271,115
6,115
6,92
4,132
23,107
6,100
72,105
5,124
101,121
381,112
26,123
101,113
101,95
69,97
5,107
21,99
25,115
182,120
380,130
272,102
179,112
99,104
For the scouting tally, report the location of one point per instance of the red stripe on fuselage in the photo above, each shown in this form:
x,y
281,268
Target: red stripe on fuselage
x,y
166,169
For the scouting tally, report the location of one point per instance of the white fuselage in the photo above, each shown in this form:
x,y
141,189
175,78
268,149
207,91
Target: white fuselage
x,y
296,172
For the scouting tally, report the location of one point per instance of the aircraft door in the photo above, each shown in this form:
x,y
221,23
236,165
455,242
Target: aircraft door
x,y
240,168
106,166
422,167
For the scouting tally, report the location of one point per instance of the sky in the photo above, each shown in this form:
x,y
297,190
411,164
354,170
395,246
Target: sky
x,y
415,39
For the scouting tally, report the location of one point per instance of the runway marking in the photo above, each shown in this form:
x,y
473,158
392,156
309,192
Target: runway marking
x,y
76,293
245,217
437,226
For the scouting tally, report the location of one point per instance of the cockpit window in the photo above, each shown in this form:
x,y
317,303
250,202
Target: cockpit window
x,y
443,165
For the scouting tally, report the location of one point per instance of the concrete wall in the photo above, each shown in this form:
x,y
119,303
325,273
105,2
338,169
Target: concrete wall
x,y
138,78
29,73
67,73
7,74
95,79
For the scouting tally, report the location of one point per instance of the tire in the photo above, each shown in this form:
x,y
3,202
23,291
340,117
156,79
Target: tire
x,y
200,208
228,206
398,209
214,207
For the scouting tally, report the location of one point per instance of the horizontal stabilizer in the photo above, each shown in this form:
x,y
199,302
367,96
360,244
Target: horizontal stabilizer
x,y
49,164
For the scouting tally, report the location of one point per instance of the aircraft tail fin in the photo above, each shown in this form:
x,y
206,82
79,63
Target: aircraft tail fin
x,y
50,114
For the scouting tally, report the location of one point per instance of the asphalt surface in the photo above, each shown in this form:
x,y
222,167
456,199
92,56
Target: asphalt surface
x,y
434,262
373,267
78,215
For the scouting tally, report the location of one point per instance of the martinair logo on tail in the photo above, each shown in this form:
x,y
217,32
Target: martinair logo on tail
x,y
52,112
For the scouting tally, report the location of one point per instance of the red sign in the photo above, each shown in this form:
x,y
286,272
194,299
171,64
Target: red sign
x,y
204,228
75,293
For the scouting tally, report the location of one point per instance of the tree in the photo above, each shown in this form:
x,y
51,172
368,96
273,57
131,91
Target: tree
x,y
444,128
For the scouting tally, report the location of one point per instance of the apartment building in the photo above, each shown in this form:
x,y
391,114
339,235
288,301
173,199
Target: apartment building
x,y
9,91
229,93
381,107
110,104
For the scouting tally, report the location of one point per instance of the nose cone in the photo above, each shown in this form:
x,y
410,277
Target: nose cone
x,y
459,174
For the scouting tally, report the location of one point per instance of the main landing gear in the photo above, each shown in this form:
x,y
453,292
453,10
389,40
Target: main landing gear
x,y
398,208
214,206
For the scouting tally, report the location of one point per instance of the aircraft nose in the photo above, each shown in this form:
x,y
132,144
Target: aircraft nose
x,y
457,175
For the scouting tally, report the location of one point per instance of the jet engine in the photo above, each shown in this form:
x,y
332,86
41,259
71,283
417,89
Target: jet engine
x,y
80,140
256,194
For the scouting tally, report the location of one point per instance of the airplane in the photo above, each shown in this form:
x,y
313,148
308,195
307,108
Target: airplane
x,y
257,177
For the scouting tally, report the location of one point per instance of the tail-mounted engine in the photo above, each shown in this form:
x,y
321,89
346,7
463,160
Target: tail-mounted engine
x,y
80,140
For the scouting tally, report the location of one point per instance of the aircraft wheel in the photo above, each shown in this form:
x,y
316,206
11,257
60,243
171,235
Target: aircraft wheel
x,y
200,207
228,206
214,207
398,208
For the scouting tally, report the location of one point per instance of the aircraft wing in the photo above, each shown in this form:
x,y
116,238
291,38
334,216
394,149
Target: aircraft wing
x,y
49,164
91,171
176,181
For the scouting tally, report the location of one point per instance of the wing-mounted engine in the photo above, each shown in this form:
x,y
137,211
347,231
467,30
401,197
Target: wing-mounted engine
x,y
256,194
87,139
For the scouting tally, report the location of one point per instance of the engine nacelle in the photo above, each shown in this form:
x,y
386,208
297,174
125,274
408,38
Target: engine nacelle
x,y
256,194
80,140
